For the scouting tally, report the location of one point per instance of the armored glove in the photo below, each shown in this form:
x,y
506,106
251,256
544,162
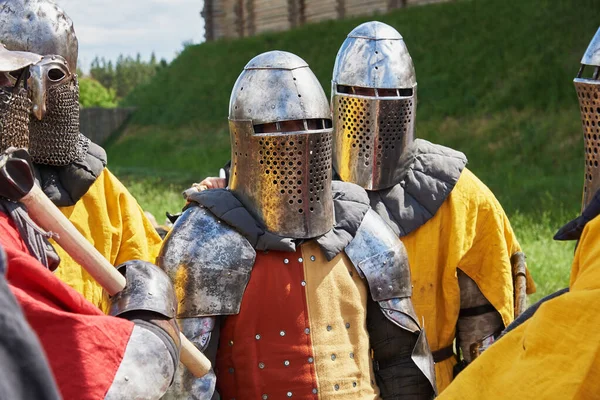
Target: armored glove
x,y
152,354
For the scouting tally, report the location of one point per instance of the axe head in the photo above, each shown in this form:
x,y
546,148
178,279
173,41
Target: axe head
x,y
16,174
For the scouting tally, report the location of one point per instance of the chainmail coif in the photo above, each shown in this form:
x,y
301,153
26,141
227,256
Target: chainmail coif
x,y
14,119
55,140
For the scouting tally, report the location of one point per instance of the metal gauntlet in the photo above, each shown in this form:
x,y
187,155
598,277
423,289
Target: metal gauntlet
x,y
152,354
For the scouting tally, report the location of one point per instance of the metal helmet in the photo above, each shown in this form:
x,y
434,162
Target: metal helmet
x,y
374,102
54,125
40,26
588,93
280,128
15,105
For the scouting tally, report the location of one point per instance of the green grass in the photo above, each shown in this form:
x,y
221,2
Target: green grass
x,y
495,81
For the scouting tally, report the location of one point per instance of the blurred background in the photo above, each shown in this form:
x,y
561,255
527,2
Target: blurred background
x,y
494,81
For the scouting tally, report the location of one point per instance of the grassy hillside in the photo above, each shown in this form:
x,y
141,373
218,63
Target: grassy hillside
x,y
494,80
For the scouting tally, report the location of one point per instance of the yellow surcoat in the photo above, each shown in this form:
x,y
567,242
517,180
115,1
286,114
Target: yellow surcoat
x,y
471,232
111,219
553,355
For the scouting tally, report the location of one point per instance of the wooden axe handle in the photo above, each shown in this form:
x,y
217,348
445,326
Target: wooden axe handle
x,y
49,217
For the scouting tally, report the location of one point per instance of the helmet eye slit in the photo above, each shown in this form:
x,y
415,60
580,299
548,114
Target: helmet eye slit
x,y
296,125
56,75
375,92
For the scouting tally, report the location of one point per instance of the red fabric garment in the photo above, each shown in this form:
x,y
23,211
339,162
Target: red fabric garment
x,y
84,346
268,331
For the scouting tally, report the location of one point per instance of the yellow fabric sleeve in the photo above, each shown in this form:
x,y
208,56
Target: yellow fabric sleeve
x,y
470,231
111,219
553,355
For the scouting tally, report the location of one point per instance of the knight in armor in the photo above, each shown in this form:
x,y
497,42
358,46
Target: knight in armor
x,y
459,241
90,355
461,247
292,284
554,353
69,167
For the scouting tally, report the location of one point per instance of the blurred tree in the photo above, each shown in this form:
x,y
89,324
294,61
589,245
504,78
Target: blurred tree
x,y
93,94
126,74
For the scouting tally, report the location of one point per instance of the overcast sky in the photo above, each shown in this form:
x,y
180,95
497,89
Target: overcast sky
x,y
108,28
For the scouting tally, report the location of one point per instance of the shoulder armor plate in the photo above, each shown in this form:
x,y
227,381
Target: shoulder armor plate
x,y
148,288
380,258
209,263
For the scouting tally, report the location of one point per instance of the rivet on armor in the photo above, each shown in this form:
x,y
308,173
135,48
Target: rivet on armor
x,y
149,293
303,283
379,289
229,274
286,261
286,363
310,360
257,337
333,357
231,370
329,328
289,394
385,262
127,379
336,386
313,258
231,343
261,365
391,287
282,333
353,384
347,325
265,397
307,331
315,391
300,260
351,355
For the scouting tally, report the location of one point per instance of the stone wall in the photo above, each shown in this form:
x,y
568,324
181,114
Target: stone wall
x,y
100,123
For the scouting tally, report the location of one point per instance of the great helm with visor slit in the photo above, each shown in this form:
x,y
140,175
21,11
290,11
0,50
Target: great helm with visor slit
x,y
374,102
588,94
280,129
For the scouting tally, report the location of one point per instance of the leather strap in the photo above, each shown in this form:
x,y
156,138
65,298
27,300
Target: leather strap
x,y
442,354
475,311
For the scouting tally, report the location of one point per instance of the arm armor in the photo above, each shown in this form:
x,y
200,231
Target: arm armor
x,y
152,353
204,333
210,264
402,358
479,324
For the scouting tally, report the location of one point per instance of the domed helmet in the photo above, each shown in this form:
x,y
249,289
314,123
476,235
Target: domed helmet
x,y
374,101
588,93
41,27
15,105
280,129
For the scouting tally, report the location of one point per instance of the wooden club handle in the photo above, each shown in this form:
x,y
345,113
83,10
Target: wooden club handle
x,y
49,218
